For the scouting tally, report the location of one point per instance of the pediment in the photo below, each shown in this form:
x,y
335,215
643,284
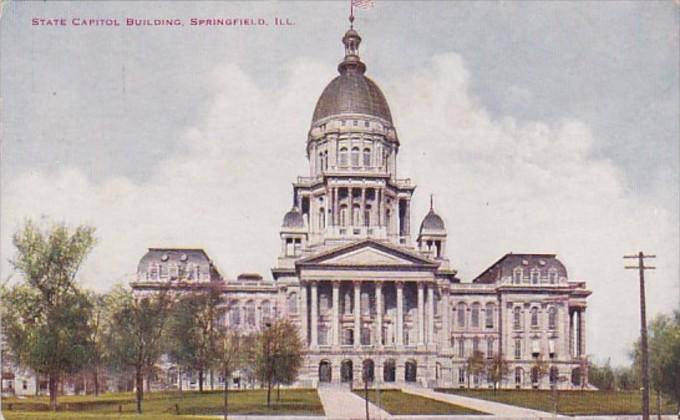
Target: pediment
x,y
365,254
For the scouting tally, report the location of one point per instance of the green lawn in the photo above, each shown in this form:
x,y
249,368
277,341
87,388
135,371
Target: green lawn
x,y
570,402
396,402
160,405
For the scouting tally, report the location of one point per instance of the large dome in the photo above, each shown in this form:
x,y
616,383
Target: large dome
x,y
352,93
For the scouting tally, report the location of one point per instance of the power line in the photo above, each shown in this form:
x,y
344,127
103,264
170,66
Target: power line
x,y
641,267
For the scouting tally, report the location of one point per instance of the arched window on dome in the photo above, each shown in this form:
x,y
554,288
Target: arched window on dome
x,y
343,156
367,157
355,156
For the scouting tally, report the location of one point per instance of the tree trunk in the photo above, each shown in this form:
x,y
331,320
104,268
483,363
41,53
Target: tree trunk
x,y
212,381
278,392
200,380
96,382
148,383
269,393
53,383
140,389
226,394
179,376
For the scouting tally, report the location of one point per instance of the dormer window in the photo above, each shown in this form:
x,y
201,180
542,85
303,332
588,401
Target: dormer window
x,y
517,276
535,275
552,276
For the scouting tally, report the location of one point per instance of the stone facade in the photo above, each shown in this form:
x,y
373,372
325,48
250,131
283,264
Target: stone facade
x,y
365,293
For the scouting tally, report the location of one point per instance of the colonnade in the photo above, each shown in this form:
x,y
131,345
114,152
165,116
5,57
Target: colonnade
x,y
425,311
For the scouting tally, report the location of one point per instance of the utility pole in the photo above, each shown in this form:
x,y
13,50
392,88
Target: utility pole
x,y
641,267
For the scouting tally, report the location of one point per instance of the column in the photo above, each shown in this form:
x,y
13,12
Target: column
x,y
315,315
571,333
421,313
357,313
379,313
304,293
407,218
363,205
446,316
430,314
582,332
334,193
400,313
378,203
350,205
336,311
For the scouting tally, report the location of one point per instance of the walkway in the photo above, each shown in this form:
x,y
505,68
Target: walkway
x,y
341,403
491,407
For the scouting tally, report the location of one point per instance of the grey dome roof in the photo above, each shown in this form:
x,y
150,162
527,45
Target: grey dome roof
x,y
352,93
293,219
432,221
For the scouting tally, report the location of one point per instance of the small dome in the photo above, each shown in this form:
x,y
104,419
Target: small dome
x,y
432,221
293,219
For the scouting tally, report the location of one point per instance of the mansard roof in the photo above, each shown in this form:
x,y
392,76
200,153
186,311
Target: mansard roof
x,y
507,263
188,256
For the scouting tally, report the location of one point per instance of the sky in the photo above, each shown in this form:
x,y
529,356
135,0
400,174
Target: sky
x,y
545,127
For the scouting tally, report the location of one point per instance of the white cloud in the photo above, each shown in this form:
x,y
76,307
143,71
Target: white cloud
x,y
501,185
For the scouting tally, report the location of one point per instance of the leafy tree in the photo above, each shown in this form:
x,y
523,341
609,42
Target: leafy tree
x,y
475,365
194,331
626,379
99,328
277,355
46,315
602,377
539,369
497,370
234,356
664,356
137,327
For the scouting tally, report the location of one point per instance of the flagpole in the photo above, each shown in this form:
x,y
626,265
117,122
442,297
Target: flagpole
x,y
351,13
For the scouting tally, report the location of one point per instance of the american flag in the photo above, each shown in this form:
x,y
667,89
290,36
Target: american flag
x,y
362,4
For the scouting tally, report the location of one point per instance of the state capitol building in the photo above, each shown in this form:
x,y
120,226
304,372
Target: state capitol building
x,y
365,293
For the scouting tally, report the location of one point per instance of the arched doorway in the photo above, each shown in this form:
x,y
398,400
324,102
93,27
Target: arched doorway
x,y
368,370
325,372
389,370
347,371
410,371
576,376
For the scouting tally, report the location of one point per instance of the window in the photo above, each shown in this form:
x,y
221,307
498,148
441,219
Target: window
x,y
535,347
348,337
474,317
343,156
323,336
489,315
366,124
517,318
552,276
343,215
234,315
461,347
517,276
461,315
518,348
452,342
534,317
292,303
461,375
534,276
365,336
355,156
367,216
475,344
322,218
552,318
321,161
266,312
367,157
355,123
489,347
250,314
551,348
518,376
